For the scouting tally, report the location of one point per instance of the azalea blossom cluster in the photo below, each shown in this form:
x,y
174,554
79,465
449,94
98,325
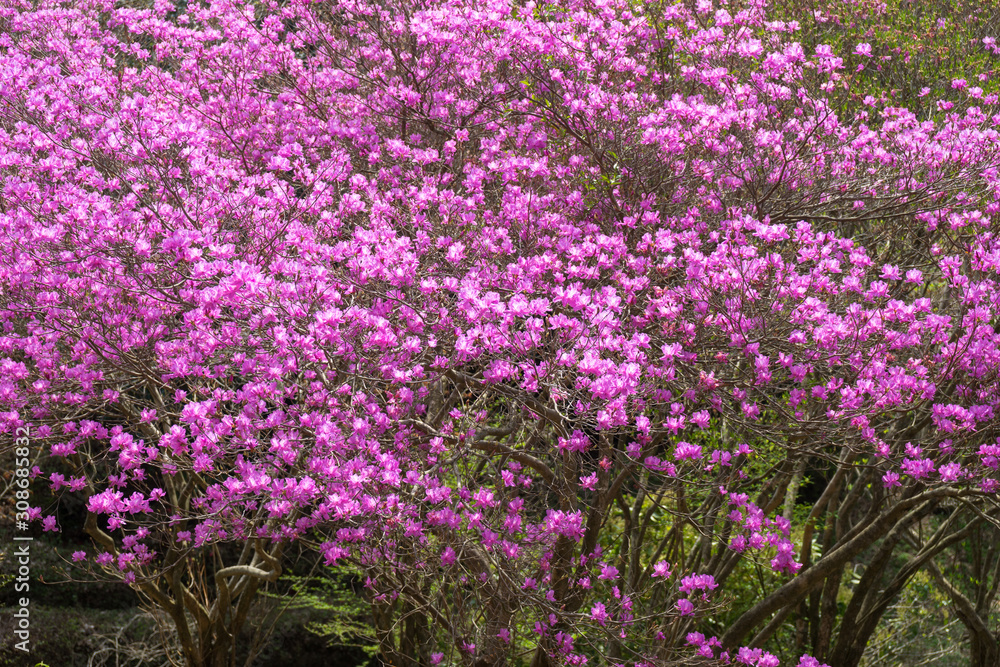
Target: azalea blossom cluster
x,y
464,294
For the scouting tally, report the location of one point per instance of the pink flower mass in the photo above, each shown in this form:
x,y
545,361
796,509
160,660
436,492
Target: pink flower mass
x,y
462,295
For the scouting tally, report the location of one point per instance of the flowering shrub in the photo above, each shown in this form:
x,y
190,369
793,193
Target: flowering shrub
x,y
535,313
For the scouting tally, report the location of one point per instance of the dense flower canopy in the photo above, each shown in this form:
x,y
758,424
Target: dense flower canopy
x,y
452,289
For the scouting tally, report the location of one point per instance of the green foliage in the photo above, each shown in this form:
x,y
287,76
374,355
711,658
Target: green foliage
x,y
917,47
919,629
329,606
